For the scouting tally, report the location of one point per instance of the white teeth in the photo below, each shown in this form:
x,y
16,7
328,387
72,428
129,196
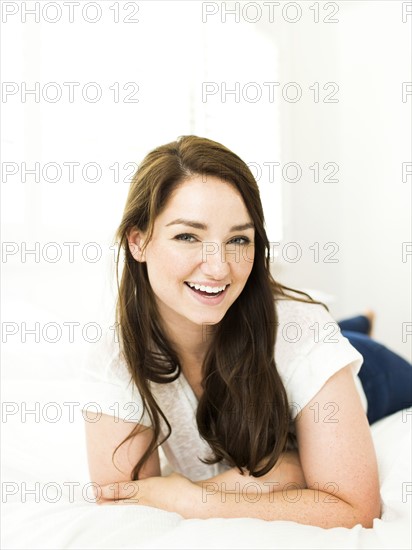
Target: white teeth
x,y
208,289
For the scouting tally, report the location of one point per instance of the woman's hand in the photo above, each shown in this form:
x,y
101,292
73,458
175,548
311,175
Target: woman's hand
x,y
173,493
287,470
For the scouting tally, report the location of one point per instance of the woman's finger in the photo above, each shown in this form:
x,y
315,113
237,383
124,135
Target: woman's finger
x,y
118,491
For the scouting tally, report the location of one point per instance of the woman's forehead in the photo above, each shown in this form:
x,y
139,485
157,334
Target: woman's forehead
x,y
205,192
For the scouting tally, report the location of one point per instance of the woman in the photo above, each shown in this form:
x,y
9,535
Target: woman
x,y
239,378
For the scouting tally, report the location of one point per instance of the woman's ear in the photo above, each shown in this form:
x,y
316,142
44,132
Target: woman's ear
x,y
135,239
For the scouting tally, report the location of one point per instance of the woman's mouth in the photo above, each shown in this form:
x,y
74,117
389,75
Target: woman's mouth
x,y
207,296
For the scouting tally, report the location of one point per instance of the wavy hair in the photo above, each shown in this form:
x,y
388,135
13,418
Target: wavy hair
x,y
240,382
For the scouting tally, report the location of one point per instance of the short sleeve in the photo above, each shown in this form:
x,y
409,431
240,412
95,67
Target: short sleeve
x,y
107,386
309,349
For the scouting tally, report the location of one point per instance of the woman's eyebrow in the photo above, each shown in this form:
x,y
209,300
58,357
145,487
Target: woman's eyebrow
x,y
199,225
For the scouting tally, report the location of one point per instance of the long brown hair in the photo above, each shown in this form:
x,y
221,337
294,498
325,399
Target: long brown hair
x,y
241,385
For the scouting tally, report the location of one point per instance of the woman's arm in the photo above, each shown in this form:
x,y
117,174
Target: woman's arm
x,y
287,470
338,462
103,434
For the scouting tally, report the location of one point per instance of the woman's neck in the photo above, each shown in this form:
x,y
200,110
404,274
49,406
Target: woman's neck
x,y
190,343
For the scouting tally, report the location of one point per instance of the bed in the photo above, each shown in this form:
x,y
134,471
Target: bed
x,y
47,501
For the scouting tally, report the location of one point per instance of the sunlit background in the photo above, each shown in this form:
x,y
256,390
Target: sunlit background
x,y
329,165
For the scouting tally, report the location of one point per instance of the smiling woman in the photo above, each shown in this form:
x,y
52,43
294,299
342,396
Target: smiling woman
x,y
181,284
204,352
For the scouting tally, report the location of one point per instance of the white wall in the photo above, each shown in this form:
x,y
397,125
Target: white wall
x,y
165,54
368,212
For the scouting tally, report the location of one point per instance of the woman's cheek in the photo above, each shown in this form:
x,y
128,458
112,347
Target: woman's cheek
x,y
248,255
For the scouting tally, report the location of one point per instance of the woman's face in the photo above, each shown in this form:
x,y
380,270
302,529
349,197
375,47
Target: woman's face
x,y
204,236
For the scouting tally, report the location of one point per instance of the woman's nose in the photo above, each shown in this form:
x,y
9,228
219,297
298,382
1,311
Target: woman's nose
x,y
216,260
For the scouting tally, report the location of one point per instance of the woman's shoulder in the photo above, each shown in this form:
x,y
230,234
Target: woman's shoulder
x,y
297,308
309,349
302,328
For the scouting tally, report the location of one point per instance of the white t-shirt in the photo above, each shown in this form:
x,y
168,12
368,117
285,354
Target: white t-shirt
x,y
309,350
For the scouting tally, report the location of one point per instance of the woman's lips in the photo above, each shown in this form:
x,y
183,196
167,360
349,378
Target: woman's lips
x,y
207,298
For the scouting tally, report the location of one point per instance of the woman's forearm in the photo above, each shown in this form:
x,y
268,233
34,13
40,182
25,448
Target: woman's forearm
x,y
286,471
306,506
319,506
281,494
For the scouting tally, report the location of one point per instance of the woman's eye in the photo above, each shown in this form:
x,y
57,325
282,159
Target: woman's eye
x,y
184,237
191,239
244,239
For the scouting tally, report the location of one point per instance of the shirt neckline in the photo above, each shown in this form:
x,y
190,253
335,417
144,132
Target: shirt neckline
x,y
190,394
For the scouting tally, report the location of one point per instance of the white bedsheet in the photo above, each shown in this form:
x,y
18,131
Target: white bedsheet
x,y
39,451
